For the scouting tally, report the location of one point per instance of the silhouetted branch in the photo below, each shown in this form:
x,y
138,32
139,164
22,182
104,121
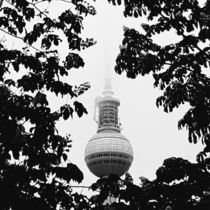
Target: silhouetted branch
x,y
38,2
18,37
41,12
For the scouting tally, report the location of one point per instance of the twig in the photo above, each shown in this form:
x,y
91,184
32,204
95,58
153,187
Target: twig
x,y
18,37
38,2
75,186
41,12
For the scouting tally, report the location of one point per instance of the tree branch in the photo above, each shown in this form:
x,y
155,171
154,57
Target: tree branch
x,y
38,2
18,37
41,12
168,63
199,49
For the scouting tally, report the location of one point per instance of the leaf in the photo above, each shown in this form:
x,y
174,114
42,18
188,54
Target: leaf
x,y
9,82
56,140
79,108
60,150
71,172
119,2
65,156
66,111
16,153
32,129
40,99
49,39
73,60
67,16
16,66
75,173
29,13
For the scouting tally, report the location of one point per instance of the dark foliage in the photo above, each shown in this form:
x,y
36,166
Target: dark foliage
x,y
34,168
180,68
179,184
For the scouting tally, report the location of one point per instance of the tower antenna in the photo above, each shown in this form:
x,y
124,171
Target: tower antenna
x,y
107,86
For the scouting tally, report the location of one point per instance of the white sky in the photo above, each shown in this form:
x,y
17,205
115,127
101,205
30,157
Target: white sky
x,y
153,134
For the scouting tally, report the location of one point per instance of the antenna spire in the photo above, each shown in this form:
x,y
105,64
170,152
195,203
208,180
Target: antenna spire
x,y
108,87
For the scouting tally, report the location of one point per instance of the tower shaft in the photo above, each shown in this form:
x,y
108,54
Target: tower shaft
x,y
108,114
108,109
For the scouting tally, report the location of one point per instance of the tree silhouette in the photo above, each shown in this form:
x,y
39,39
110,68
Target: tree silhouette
x,y
180,68
179,184
34,170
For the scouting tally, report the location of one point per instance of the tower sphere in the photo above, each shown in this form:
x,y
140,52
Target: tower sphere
x,y
108,151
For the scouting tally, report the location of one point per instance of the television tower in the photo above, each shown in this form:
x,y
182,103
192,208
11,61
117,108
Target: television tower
x,y
108,151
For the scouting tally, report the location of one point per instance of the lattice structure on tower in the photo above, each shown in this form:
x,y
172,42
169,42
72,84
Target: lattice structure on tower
x,y
108,114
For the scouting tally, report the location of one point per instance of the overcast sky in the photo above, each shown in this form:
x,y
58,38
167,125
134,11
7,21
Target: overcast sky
x,y
153,134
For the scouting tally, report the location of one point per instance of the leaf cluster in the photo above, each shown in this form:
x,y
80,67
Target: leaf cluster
x,y
179,184
35,171
179,69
